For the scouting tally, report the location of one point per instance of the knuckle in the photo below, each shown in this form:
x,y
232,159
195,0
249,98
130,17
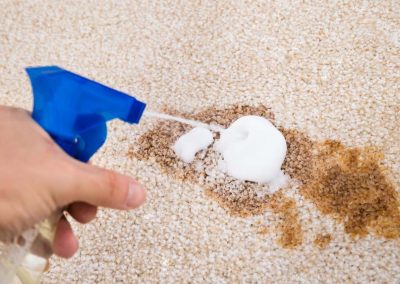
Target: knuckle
x,y
111,184
72,180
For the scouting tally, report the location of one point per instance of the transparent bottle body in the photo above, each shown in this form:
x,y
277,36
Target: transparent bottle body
x,y
25,259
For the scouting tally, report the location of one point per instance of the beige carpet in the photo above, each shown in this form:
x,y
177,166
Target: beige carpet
x,y
326,70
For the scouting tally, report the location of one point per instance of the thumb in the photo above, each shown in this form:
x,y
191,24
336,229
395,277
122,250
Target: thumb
x,y
105,188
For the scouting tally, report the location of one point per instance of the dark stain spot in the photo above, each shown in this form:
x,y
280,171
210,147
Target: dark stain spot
x,y
346,183
322,240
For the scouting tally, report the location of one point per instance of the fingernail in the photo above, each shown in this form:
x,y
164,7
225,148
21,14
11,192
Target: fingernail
x,y
135,194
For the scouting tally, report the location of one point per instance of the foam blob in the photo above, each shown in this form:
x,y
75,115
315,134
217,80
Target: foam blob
x,y
253,150
189,144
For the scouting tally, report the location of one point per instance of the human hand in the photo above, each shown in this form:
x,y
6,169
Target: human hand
x,y
37,177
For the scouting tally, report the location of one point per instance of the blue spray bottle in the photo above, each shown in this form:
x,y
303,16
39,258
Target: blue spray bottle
x,y
74,111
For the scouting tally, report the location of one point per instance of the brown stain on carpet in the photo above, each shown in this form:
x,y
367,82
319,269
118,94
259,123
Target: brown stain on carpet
x,y
346,183
243,204
263,230
247,203
350,185
289,226
299,159
322,240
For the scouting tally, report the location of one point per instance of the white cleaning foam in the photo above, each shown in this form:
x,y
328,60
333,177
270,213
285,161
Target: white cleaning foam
x,y
253,150
189,144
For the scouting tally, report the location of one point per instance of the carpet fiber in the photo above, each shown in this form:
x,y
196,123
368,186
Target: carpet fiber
x,y
327,73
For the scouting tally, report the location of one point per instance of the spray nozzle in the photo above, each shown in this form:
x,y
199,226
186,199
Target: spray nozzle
x,y
74,110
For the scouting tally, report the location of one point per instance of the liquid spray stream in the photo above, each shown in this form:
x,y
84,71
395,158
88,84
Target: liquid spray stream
x,y
191,122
